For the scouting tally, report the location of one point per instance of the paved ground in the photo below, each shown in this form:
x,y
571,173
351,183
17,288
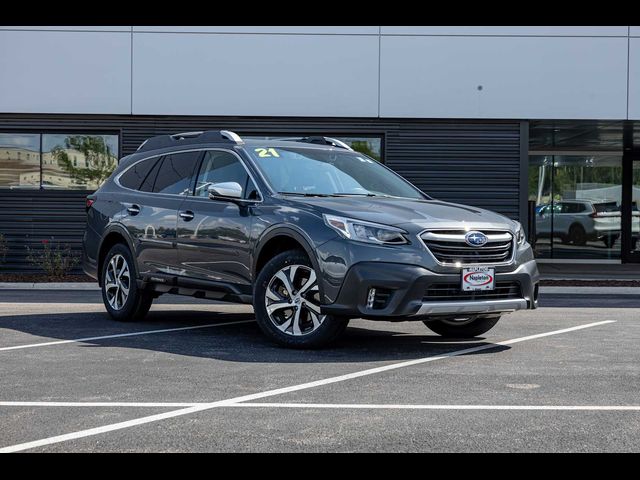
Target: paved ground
x,y
562,378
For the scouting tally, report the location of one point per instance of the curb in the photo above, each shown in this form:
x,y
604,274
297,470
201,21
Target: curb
x,y
49,286
547,290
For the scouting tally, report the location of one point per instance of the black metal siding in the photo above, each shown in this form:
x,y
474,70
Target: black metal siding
x,y
29,217
472,162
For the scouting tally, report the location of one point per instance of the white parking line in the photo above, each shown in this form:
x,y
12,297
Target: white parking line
x,y
103,404
119,335
337,406
366,406
279,391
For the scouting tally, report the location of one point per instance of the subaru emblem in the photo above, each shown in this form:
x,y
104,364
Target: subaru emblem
x,y
475,239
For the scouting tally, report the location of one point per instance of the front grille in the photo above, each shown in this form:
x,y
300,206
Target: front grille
x,y
446,292
449,247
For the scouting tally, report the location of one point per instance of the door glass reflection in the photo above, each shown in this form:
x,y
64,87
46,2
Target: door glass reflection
x,y
635,202
578,200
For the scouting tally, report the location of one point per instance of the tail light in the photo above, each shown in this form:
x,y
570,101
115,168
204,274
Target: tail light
x,y
89,203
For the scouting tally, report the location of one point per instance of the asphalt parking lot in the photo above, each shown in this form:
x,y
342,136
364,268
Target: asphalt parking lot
x,y
197,376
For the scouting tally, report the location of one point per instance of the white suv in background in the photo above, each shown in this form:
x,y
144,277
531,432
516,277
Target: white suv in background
x,y
578,221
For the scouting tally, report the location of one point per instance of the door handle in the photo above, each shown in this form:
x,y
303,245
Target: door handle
x,y
187,215
133,210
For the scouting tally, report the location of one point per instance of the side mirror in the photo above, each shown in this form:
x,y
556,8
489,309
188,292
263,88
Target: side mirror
x,y
225,191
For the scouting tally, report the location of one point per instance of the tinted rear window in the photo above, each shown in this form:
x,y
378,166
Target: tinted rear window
x,y
135,175
606,207
175,173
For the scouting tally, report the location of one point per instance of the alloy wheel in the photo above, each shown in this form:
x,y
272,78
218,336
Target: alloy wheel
x,y
117,282
292,300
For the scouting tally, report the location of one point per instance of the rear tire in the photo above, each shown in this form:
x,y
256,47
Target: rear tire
x,y
122,298
286,302
470,329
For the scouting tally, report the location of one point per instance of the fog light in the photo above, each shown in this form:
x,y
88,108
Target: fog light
x,y
371,298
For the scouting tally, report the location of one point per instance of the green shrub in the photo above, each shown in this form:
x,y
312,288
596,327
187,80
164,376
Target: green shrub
x,y
56,261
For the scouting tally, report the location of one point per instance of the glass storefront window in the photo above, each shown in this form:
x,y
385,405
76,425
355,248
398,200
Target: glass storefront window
x,y
578,202
19,160
63,161
635,209
76,161
370,146
575,180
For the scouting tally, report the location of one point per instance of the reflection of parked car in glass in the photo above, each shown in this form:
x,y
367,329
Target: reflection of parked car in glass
x,y
578,221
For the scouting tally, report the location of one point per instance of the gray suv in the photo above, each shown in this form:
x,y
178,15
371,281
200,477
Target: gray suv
x,y
307,230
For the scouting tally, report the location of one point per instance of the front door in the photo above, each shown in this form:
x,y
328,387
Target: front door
x,y
214,236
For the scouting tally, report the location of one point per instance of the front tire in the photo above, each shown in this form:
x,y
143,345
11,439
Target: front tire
x,y
120,293
287,304
577,235
463,329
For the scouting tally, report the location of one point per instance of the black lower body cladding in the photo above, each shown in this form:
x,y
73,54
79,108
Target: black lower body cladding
x,y
400,289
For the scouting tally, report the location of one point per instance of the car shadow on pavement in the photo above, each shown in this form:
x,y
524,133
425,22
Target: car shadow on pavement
x,y
241,342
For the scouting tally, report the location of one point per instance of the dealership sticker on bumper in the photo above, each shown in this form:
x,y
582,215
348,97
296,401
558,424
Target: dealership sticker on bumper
x,y
478,278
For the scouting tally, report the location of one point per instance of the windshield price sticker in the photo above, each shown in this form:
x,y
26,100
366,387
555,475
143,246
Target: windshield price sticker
x,y
267,152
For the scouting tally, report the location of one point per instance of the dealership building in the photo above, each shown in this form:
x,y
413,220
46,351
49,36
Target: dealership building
x,y
540,123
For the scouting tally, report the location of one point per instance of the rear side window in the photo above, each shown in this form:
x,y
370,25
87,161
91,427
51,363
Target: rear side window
x,y
137,174
147,185
571,208
175,173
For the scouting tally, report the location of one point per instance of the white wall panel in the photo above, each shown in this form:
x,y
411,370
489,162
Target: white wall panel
x,y
505,30
524,77
72,28
634,31
313,29
65,72
255,75
634,79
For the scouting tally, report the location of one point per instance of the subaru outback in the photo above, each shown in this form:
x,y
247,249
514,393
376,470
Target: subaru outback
x,y
308,231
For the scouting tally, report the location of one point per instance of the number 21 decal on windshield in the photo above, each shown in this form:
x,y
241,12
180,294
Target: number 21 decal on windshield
x,y
267,152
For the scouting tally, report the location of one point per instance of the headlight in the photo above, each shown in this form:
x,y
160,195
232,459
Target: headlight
x,y
366,231
520,236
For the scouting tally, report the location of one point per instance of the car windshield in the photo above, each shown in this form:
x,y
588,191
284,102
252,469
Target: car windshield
x,y
316,172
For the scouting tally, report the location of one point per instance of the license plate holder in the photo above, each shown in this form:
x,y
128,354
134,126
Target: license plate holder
x,y
478,278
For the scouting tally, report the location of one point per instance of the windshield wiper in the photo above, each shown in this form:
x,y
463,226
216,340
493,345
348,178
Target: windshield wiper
x,y
302,194
369,194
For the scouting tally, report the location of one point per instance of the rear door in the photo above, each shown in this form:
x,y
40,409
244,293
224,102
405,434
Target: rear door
x,y
151,212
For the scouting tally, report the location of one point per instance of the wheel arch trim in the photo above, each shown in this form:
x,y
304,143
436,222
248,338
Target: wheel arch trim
x,y
122,231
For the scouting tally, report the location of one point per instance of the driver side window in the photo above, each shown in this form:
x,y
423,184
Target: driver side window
x,y
218,167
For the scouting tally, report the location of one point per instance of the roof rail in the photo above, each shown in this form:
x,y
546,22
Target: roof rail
x,y
189,138
318,141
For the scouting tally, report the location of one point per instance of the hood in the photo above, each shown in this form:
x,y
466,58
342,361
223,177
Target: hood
x,y
407,213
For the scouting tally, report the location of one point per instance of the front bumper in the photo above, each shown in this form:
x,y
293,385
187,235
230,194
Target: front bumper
x,y
405,287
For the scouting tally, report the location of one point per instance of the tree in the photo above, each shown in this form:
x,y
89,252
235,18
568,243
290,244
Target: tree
x,y
101,161
364,147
